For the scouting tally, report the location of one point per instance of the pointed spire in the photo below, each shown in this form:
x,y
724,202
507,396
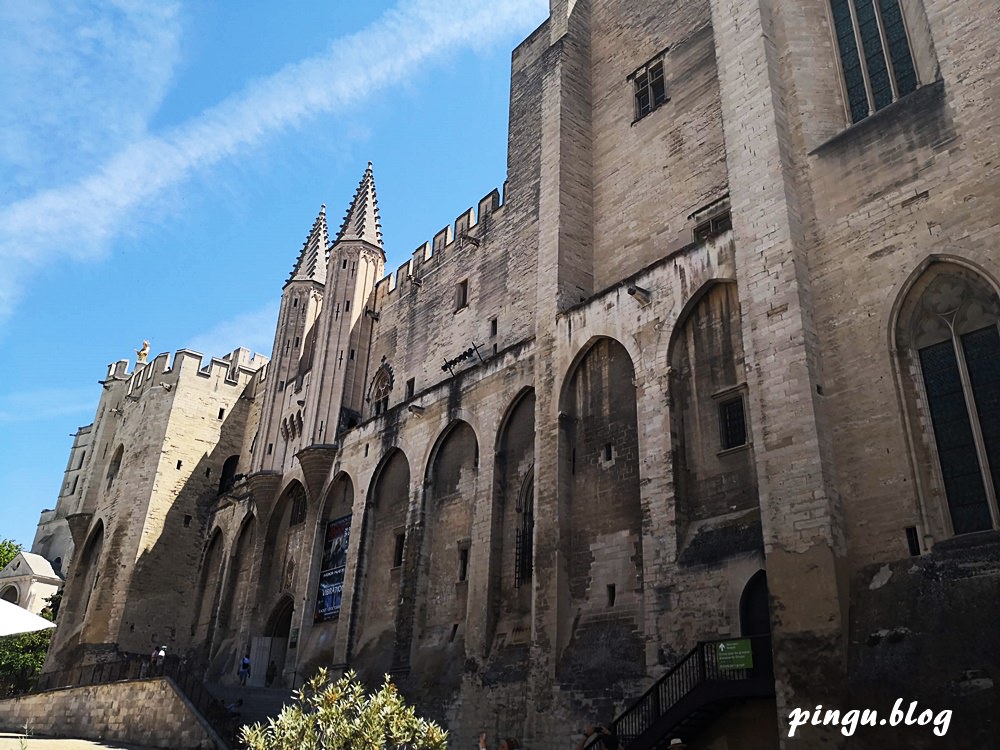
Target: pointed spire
x,y
362,221
311,265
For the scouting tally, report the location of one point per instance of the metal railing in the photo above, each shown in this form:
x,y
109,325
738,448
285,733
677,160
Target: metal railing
x,y
703,676
139,667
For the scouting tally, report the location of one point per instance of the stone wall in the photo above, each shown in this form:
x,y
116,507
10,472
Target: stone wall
x,y
151,713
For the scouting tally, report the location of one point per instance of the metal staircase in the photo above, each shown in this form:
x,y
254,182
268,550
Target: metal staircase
x,y
696,691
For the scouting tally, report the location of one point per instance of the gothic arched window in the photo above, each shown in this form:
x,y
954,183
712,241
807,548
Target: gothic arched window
x,y
378,392
949,335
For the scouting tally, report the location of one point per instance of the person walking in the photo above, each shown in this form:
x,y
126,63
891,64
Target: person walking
x,y
244,671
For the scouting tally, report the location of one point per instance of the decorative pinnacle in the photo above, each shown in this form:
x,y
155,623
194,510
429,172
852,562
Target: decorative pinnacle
x,y
362,221
311,264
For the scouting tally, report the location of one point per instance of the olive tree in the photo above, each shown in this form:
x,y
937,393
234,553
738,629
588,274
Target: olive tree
x,y
334,715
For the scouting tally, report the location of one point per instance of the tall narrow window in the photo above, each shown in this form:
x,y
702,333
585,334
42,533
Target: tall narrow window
x,y
732,423
874,54
955,349
525,530
462,294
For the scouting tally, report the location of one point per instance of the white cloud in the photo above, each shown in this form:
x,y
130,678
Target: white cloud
x,y
252,330
80,218
78,80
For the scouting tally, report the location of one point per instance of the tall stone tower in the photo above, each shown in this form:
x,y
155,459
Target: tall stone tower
x,y
357,262
294,339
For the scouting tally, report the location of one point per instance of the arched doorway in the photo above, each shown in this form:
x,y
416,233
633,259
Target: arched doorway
x,y
755,615
10,594
272,646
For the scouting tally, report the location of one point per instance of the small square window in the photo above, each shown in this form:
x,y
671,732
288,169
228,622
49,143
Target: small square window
x,y
732,423
462,294
650,88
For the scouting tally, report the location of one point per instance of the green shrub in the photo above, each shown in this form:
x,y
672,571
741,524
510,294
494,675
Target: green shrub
x,y
339,715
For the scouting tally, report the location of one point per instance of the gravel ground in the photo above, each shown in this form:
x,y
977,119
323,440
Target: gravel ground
x,y
16,742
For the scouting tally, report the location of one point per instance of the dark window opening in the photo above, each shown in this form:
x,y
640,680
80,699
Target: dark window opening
x,y
462,294
228,477
523,538
463,563
881,71
650,88
208,472
454,632
964,475
352,354
299,509
347,306
732,423
611,595
179,464
493,327
222,413
187,521
397,554
295,302
912,542
344,264
270,448
608,452
713,227
410,387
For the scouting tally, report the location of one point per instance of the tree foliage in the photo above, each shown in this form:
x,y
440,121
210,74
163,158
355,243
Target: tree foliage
x,y
22,656
8,551
339,715
21,659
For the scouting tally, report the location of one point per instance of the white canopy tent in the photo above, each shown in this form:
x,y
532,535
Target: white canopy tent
x,y
14,620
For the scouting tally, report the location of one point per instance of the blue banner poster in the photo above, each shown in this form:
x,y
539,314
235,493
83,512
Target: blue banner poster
x,y
331,576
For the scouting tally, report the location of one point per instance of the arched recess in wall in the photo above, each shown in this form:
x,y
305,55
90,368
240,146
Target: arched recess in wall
x,y
442,584
228,477
715,478
286,544
238,582
948,343
600,517
209,589
376,599
86,578
511,548
10,594
755,613
333,550
114,466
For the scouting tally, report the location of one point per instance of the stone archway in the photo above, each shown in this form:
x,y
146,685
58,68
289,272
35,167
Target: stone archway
x,y
272,647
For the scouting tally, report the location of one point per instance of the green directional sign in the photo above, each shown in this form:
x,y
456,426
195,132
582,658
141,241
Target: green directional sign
x,y
734,654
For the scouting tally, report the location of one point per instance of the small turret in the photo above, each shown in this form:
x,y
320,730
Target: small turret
x,y
362,220
311,263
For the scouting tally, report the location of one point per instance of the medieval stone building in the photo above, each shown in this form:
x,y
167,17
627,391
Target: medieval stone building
x,y
721,361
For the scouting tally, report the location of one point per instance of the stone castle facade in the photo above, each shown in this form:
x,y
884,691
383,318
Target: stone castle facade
x,y
723,360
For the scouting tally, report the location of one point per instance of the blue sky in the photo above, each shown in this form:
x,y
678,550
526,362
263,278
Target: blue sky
x,y
161,164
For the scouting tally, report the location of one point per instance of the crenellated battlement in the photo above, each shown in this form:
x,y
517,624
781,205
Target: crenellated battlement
x,y
233,370
464,232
